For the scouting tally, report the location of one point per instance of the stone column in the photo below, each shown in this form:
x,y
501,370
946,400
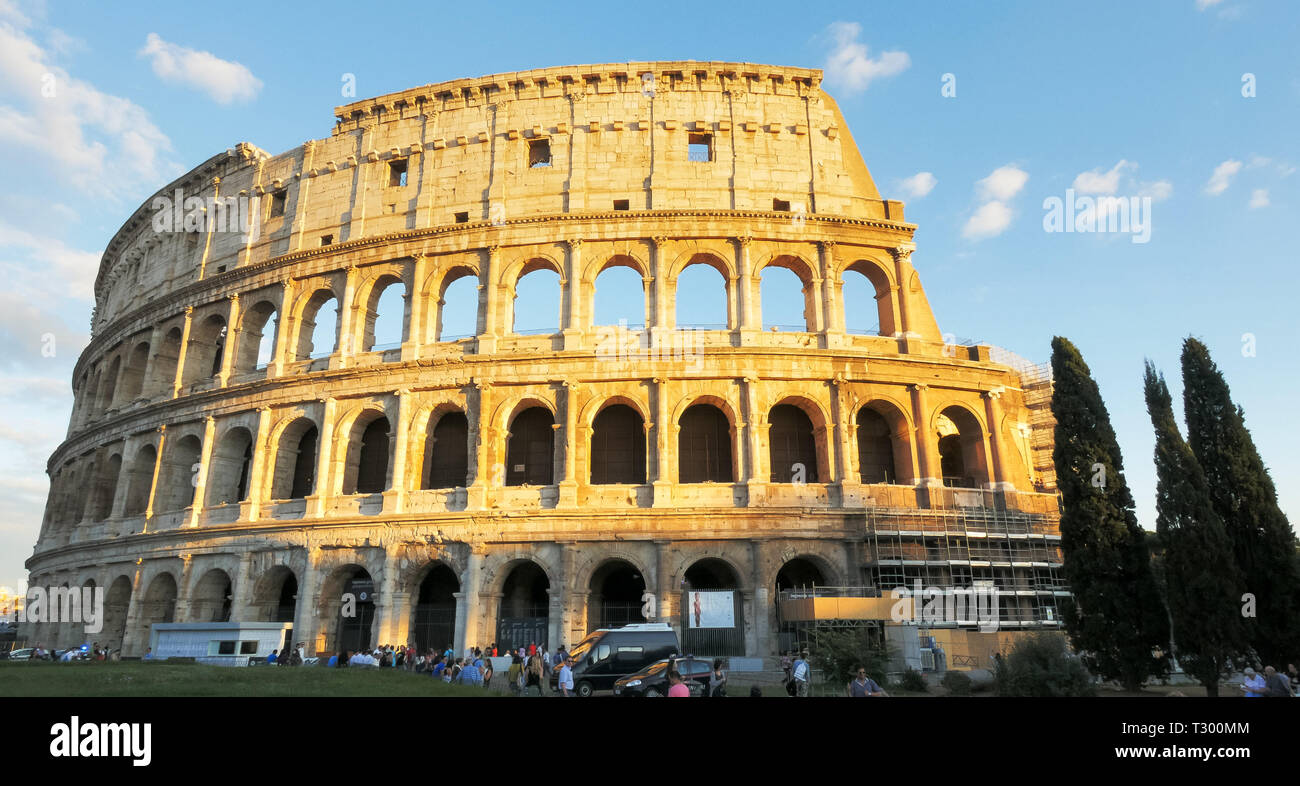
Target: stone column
x,y
285,327
184,590
418,303
663,431
489,320
129,447
480,438
205,469
568,487
926,453
763,644
304,188
389,607
998,478
568,557
467,604
305,619
232,341
572,287
832,312
838,433
395,496
348,309
148,387
243,589
759,473
665,590
183,351
322,493
131,646
749,319
259,474
902,266
153,482
662,318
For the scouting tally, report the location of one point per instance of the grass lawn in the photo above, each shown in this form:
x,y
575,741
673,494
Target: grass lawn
x,y
133,678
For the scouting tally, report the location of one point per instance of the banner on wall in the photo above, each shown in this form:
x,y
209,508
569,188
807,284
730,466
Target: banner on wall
x,y
711,609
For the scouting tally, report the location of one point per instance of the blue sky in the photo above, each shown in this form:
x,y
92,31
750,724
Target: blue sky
x,y
1120,99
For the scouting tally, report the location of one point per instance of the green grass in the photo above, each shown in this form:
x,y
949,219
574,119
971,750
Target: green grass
x,y
191,679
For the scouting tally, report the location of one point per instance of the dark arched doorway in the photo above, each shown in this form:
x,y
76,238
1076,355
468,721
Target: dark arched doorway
x,y
616,590
434,625
525,607
713,618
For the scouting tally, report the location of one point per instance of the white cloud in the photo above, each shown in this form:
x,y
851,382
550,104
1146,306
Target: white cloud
x,y
992,218
1159,190
1259,198
1201,5
223,80
848,64
1222,177
918,185
103,143
72,270
1002,183
1097,182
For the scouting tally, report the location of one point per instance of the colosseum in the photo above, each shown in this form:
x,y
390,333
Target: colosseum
x,y
270,415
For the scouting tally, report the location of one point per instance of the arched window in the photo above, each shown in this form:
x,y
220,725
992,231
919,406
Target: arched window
x,y
109,388
531,449
367,468
792,444
961,448
176,479
701,297
537,303
619,296
164,375
865,282
458,308
257,338
203,357
448,452
783,300
295,461
106,488
704,446
875,448
228,473
385,316
137,490
318,327
133,376
618,446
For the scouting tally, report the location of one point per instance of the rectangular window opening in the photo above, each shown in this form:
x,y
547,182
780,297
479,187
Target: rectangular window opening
x,y
397,173
539,153
699,147
247,648
278,199
781,205
327,240
462,217
621,204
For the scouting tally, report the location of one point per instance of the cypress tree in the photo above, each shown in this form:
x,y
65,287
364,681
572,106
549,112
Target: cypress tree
x,y
1116,617
1202,588
1244,497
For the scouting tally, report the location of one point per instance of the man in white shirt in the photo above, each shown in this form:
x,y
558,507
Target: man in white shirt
x,y
566,678
802,673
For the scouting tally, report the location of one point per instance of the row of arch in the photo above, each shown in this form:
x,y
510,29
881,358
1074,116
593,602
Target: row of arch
x,y
361,310
442,447
522,591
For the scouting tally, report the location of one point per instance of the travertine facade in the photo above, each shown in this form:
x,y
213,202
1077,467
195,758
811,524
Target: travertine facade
x,y
523,480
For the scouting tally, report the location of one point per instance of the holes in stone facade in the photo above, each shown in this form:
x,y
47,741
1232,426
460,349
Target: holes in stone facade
x,y
699,148
539,153
278,200
397,173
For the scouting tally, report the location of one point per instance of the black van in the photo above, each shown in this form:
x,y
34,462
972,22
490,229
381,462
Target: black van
x,y
608,654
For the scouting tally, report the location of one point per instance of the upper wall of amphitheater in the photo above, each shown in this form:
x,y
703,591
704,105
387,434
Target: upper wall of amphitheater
x,y
496,150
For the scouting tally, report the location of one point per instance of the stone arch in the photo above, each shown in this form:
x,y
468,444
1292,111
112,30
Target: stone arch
x,y
296,456
433,606
524,588
165,362
718,259
615,587
959,432
444,447
881,278
374,292
704,454
786,446
617,450
132,382
882,437
510,286
108,386
307,310
230,467
345,633
212,597
609,268
805,272
207,345
438,286
105,488
368,450
158,604
274,595
117,601
530,445
253,343
142,472
176,475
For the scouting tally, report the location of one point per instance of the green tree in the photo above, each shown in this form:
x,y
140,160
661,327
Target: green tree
x,y
1116,617
1040,665
1244,497
1202,588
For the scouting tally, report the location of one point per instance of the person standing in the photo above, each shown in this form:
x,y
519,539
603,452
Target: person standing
x,y
1276,685
1253,684
802,674
533,677
863,686
717,680
566,677
676,686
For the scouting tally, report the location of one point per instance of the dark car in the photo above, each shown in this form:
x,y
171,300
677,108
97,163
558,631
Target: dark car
x,y
609,654
653,679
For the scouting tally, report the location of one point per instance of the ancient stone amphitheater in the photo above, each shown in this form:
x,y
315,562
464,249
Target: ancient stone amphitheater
x,y
243,448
